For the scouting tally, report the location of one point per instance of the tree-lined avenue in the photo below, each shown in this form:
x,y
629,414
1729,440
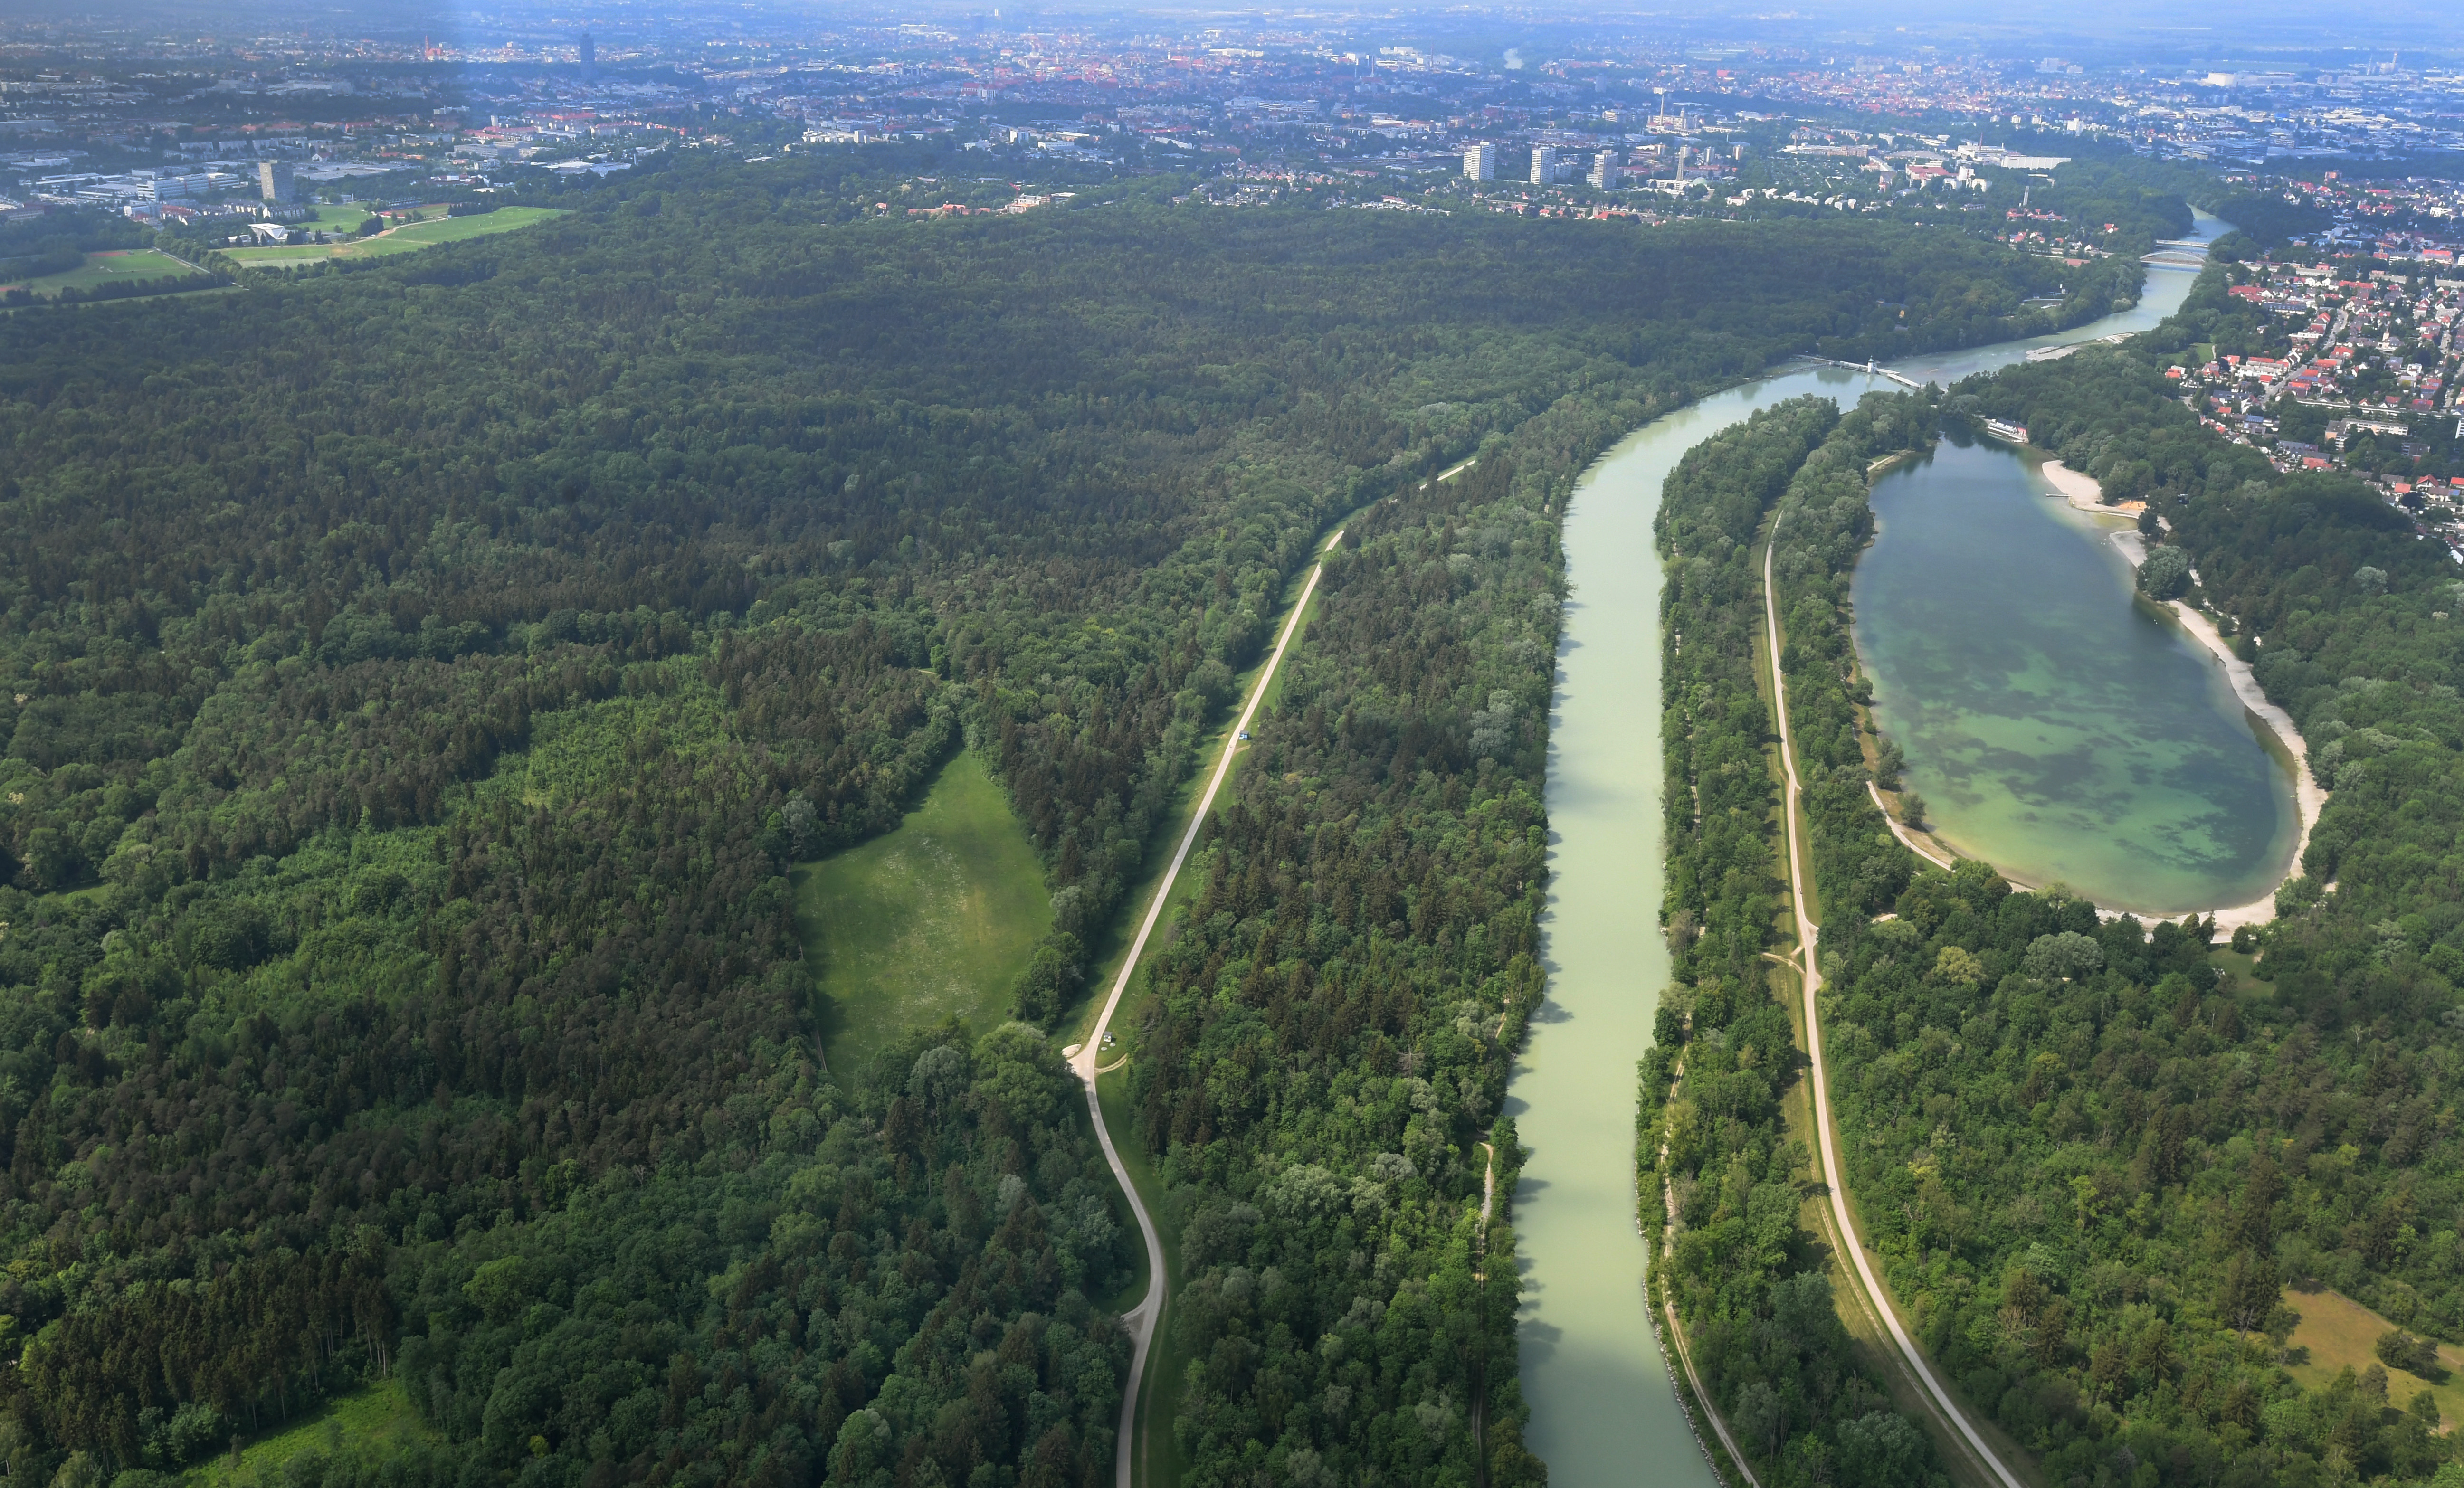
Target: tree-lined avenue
x,y
1141,1319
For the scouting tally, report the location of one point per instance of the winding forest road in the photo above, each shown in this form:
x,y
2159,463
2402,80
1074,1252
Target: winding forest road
x,y
1141,1319
1808,940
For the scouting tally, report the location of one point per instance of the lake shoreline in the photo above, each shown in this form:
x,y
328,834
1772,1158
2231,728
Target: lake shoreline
x,y
2083,494
2309,797
2077,487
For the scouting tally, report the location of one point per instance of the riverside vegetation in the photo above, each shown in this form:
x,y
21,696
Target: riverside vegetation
x,y
419,678
1722,1182
2101,1167
1331,1028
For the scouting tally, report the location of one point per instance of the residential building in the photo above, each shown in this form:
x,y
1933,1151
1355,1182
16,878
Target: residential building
x,y
1480,162
1544,164
274,181
1606,173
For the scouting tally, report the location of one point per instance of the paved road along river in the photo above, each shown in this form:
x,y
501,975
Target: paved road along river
x,y
1603,1412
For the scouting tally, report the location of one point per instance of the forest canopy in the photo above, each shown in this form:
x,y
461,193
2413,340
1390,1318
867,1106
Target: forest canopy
x,y
418,679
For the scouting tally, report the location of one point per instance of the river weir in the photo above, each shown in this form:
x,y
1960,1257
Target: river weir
x,y
1603,1412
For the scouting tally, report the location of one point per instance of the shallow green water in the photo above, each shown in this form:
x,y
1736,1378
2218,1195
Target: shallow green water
x,y
1602,1409
2054,727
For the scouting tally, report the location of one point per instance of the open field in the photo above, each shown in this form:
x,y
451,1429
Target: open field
x,y
933,920
117,267
407,239
2340,1331
454,229
333,217
374,1421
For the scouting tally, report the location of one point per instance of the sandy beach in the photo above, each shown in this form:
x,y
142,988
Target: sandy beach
x,y
2082,490
2077,488
2307,795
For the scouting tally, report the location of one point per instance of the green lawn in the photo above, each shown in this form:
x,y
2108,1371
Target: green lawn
x,y
369,1422
453,229
931,921
331,218
113,268
408,239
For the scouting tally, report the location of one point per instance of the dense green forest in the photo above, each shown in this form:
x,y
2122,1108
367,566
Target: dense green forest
x,y
418,679
1332,1029
2092,1156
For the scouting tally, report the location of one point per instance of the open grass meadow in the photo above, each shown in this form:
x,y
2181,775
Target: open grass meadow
x,y
117,267
409,238
933,920
2338,1331
455,230
373,1421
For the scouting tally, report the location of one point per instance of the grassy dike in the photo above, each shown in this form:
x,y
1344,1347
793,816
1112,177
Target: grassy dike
x,y
1726,1141
1871,1315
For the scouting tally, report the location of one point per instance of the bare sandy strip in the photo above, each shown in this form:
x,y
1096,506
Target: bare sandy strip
x,y
1907,839
2079,488
2307,795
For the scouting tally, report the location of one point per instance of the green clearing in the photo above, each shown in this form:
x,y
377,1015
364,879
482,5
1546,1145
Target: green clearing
x,y
933,920
574,748
408,239
66,896
374,1421
2243,968
117,267
2338,1331
331,218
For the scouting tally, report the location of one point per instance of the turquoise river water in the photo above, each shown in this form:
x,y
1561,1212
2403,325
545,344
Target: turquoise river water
x,y
1602,1409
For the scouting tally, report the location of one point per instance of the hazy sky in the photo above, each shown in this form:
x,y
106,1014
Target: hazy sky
x,y
2084,29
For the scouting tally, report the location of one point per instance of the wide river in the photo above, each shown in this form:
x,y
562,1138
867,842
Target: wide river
x,y
1602,1409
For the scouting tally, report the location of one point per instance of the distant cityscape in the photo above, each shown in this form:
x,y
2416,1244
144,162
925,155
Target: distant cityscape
x,y
154,126
263,129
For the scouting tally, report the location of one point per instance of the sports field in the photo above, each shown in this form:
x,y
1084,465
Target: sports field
x,y
407,239
933,920
117,267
